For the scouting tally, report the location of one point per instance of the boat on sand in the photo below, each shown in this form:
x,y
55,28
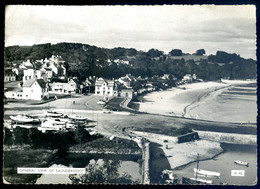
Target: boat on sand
x,y
241,163
24,118
202,180
50,113
206,173
77,117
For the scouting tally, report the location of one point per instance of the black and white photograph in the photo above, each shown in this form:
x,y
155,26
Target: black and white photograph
x,y
130,95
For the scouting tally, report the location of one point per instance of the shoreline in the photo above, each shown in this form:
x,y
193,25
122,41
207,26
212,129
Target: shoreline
x,y
200,97
180,97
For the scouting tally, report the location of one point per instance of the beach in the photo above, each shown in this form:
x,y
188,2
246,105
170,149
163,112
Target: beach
x,y
206,100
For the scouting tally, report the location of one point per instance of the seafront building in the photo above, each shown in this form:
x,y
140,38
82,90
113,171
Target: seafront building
x,y
105,87
35,89
72,86
32,89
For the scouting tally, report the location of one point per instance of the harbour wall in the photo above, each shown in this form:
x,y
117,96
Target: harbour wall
x,y
231,138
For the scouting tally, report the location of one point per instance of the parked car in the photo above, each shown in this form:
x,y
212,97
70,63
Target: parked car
x,y
101,102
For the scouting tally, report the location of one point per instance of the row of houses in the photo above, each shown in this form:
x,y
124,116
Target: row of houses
x,y
39,89
50,68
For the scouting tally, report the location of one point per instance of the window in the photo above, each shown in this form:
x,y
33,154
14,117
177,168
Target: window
x,y
12,94
31,90
98,92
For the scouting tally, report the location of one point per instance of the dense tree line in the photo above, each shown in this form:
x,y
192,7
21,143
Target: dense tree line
x,y
85,60
48,140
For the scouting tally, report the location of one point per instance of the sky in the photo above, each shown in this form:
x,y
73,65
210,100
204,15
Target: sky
x,y
230,28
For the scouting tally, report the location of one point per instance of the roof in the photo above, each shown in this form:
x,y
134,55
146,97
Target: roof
x,y
42,83
12,84
17,89
8,72
110,83
75,81
125,79
30,82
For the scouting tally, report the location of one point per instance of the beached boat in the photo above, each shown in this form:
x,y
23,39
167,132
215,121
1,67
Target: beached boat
x,y
53,124
24,119
77,117
202,180
50,113
241,162
206,173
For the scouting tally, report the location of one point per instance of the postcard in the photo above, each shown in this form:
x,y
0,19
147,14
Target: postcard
x,y
130,95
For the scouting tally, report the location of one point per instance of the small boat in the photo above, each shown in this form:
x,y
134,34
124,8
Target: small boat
x,y
77,117
24,119
50,113
202,180
57,125
206,173
241,163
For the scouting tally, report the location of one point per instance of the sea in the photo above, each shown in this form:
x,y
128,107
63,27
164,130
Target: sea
x,y
236,103
224,164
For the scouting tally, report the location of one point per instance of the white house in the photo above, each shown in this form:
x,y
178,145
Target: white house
x,y
125,81
35,89
41,74
105,87
28,74
127,93
9,76
13,90
49,73
59,87
15,93
55,63
26,64
189,78
72,86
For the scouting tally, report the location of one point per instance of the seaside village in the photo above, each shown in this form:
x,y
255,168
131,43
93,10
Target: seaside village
x,y
24,83
48,81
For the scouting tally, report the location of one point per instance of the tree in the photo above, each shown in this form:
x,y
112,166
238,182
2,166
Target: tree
x,y
200,52
154,53
102,173
176,52
8,137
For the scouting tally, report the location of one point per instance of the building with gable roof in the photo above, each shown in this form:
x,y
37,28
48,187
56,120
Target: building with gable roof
x,y
105,87
26,64
9,75
72,86
35,89
55,63
28,73
13,90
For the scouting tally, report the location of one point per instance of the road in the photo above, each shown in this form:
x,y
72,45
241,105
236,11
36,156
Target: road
x,y
114,122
